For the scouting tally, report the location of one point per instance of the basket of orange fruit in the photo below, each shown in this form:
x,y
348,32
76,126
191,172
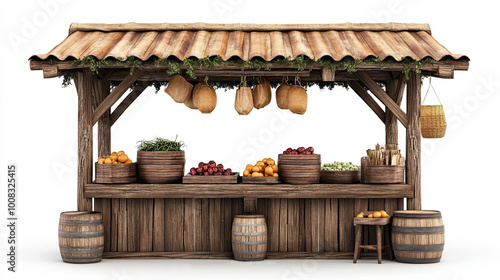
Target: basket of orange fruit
x,y
116,168
265,171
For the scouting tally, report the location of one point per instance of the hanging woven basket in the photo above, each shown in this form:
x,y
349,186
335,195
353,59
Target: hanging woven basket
x,y
432,118
433,121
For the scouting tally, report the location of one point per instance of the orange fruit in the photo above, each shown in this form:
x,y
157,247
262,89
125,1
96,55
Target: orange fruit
x,y
360,215
260,163
121,153
101,160
255,174
115,162
377,214
246,173
276,175
123,158
275,168
249,167
255,169
108,161
128,161
370,216
267,175
265,161
384,214
269,170
271,161
114,157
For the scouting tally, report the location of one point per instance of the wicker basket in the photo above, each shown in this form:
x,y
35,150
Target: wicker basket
x,y
433,121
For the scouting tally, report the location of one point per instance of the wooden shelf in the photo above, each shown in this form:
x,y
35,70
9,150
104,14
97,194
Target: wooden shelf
x,y
248,190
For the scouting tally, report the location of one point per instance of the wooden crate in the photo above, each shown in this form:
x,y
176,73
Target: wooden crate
x,y
115,173
382,174
340,177
260,180
211,179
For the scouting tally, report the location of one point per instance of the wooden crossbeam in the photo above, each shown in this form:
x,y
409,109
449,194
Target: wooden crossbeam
x,y
356,86
230,73
327,75
383,97
116,94
128,101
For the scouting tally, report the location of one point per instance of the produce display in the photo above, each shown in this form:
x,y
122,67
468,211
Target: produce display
x,y
263,168
299,151
340,166
375,214
115,158
388,155
160,144
210,168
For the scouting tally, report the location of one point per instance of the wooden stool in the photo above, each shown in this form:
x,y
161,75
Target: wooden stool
x,y
378,223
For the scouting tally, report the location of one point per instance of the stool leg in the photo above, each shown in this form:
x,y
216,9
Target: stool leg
x,y
359,234
387,237
379,244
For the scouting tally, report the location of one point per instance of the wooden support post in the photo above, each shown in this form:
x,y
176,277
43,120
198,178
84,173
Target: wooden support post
x,y
391,122
250,205
84,81
101,91
413,169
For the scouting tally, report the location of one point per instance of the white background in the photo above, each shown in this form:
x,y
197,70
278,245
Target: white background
x,y
38,124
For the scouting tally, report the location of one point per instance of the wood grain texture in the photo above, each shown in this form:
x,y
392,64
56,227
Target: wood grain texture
x,y
131,97
346,225
293,225
101,90
331,225
248,190
283,225
211,179
115,173
229,255
413,152
122,226
145,224
115,95
84,81
391,122
368,99
115,213
159,225
174,225
133,225
383,97
340,177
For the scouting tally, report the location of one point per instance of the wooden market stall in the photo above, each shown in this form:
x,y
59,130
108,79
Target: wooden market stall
x,y
194,220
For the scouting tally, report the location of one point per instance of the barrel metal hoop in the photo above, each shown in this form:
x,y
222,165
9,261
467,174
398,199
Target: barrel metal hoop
x,y
418,248
249,243
249,233
236,224
83,252
249,253
80,223
81,234
418,230
82,258
413,260
417,216
80,247
249,259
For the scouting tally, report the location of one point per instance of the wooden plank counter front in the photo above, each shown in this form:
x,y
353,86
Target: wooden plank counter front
x,y
194,220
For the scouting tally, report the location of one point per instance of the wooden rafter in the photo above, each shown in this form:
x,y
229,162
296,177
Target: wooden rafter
x,y
383,97
128,101
232,73
116,94
400,89
356,86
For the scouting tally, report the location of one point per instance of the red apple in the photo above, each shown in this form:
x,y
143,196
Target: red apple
x,y
205,167
199,170
206,173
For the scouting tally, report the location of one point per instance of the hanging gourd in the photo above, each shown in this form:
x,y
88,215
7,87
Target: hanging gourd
x,y
179,89
261,94
433,120
189,102
282,94
243,102
205,98
297,98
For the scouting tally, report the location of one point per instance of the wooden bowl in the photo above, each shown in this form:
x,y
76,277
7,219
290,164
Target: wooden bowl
x,y
115,173
299,169
340,177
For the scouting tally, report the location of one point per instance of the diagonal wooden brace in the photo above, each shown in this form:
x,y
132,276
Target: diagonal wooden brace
x,y
383,97
363,94
120,109
116,94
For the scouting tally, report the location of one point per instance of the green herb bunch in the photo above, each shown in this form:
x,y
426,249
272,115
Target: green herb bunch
x,y
160,144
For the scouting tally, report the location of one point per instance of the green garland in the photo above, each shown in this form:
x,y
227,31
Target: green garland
x,y
301,62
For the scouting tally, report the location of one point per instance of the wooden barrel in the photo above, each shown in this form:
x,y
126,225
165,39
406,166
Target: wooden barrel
x,y
161,167
299,169
81,237
417,236
249,237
